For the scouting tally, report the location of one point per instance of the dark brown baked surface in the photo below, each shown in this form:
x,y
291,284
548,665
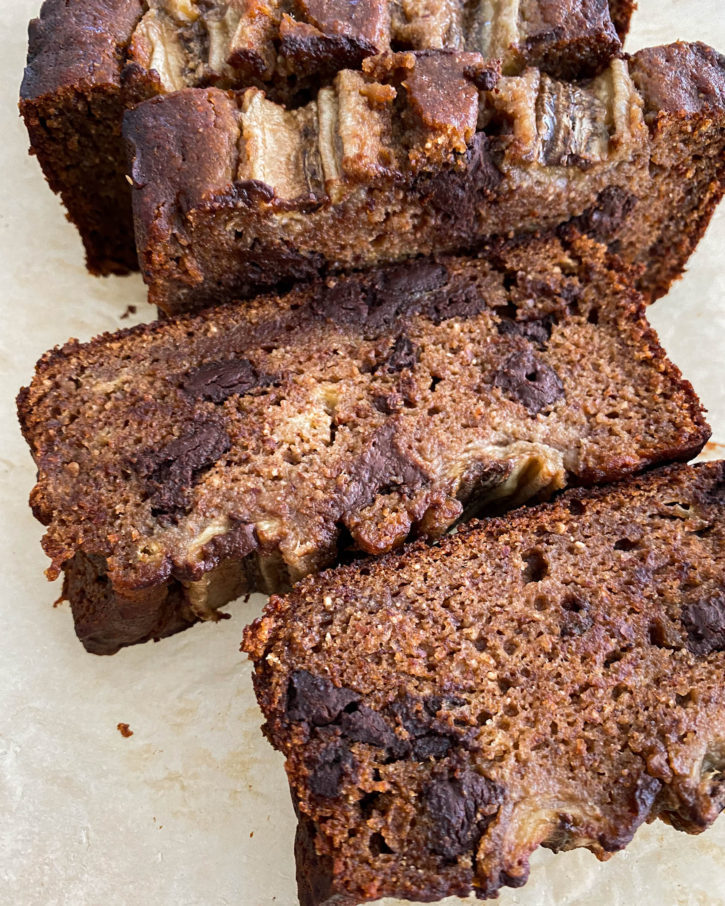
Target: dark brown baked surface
x,y
183,463
553,678
72,101
425,153
90,60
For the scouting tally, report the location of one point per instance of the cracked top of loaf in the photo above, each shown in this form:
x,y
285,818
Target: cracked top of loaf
x,y
291,47
553,678
357,411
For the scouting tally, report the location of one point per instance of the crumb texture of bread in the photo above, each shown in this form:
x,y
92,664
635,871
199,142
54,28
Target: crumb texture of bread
x,y
183,463
425,152
91,60
549,679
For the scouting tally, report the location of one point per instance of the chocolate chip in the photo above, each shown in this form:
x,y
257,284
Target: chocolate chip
x,y
398,290
402,355
459,809
382,464
427,739
484,77
432,745
704,622
251,192
461,302
524,378
171,472
456,194
411,278
315,699
331,764
537,331
309,49
344,302
368,726
234,544
642,796
217,381
605,217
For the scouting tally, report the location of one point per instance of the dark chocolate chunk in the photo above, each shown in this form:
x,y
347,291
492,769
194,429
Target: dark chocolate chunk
x,y
171,472
402,355
377,300
329,769
344,302
382,465
605,217
431,745
217,381
428,739
484,77
459,809
461,302
365,725
394,290
315,699
251,192
704,622
455,194
401,281
524,378
537,331
642,797
234,544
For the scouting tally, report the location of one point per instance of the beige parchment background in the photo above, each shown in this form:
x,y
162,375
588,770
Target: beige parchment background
x,y
193,810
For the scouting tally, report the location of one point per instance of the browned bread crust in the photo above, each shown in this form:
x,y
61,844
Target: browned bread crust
x,y
73,102
183,463
553,678
425,153
90,60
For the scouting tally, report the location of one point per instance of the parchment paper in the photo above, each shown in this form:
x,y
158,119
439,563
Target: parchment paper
x,y
193,809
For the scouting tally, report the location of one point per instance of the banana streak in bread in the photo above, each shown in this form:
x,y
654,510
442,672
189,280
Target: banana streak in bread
x,y
90,60
421,153
183,463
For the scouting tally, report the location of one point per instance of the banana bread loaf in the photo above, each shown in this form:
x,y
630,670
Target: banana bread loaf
x,y
183,463
424,153
553,678
89,60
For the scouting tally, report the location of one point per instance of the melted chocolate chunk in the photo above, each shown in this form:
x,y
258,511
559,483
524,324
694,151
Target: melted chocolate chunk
x,y
344,303
172,471
315,699
331,764
399,282
403,354
235,544
524,378
704,622
383,464
537,331
251,192
217,381
605,217
324,54
459,809
377,300
455,194
427,739
368,726
462,302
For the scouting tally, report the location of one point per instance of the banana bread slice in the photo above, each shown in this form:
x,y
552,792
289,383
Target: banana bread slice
x,y
183,463
553,678
424,153
89,60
